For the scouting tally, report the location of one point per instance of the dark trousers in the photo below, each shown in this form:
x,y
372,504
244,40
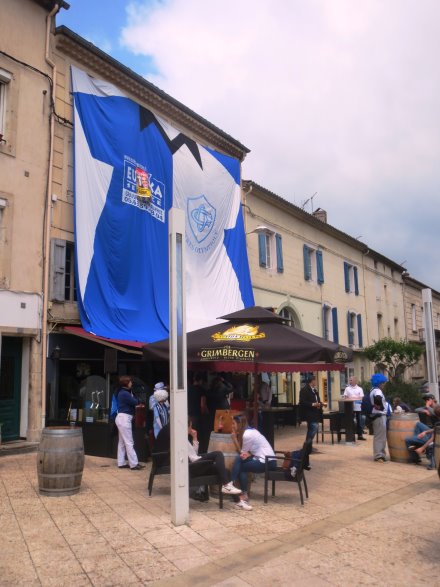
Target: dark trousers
x,y
202,467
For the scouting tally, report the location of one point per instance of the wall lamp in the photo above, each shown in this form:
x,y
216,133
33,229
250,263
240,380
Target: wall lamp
x,y
259,230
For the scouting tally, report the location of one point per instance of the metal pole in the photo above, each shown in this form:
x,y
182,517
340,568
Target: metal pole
x,y
179,402
431,351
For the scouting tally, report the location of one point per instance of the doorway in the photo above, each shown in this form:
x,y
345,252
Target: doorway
x,y
10,387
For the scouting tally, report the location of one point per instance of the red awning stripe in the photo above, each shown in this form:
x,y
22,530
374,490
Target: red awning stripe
x,y
250,367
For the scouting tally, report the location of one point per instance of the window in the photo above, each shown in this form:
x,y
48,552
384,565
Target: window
x,y
396,329
62,281
413,318
354,329
270,249
313,264
379,326
288,314
351,278
5,78
330,323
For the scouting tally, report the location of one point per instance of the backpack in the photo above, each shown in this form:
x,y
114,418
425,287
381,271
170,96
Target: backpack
x,y
113,409
366,406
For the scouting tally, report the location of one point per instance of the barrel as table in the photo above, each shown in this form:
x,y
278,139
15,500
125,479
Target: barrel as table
x,y
399,427
60,460
225,444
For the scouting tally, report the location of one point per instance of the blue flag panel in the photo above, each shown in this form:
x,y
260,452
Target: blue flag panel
x,y
130,167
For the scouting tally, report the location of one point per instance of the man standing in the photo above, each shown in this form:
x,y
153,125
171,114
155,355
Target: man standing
x,y
379,417
353,391
311,407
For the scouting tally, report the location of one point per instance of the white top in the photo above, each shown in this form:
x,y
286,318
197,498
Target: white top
x,y
193,450
377,391
256,444
354,391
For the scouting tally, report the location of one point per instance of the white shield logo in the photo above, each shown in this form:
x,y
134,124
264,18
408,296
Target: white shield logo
x,y
201,217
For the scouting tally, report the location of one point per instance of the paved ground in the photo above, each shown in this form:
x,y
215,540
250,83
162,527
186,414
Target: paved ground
x,y
365,523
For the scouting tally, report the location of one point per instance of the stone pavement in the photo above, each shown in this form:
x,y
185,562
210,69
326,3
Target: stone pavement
x,y
364,523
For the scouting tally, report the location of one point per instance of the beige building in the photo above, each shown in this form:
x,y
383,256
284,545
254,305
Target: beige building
x,y
327,282
414,322
51,370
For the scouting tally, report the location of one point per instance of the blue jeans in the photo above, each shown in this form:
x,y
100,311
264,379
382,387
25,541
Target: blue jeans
x,y
241,468
419,427
312,429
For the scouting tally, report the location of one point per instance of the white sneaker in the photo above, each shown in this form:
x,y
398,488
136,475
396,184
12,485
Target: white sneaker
x,y
230,489
243,505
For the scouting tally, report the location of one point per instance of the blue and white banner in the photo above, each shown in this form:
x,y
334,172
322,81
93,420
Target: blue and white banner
x,y
130,168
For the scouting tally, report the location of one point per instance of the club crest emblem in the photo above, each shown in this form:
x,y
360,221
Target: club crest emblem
x,y
201,217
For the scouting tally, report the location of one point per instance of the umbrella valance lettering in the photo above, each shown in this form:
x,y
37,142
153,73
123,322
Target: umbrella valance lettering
x,y
227,353
340,357
242,333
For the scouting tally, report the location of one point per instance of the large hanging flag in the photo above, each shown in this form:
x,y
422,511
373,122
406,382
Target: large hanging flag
x,y
130,168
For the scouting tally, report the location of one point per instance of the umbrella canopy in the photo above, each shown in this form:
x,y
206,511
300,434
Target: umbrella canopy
x,y
255,339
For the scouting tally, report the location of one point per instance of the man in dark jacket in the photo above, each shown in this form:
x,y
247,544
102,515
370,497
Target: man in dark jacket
x,y
310,407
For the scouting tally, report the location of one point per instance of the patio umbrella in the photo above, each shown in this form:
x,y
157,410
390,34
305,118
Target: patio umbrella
x,y
255,340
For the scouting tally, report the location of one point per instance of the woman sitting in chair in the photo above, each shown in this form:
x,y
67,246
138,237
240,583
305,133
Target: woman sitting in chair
x,y
253,451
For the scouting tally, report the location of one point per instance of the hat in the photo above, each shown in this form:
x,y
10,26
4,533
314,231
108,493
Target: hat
x,y
428,396
425,386
160,385
160,395
377,379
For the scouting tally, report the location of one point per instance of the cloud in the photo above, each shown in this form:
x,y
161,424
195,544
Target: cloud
x,y
339,98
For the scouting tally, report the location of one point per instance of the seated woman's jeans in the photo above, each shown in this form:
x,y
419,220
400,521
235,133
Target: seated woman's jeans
x,y
241,468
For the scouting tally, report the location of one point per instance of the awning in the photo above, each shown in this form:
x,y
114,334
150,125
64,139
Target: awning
x,y
126,346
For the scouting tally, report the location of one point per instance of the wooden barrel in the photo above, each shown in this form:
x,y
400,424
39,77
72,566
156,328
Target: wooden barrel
x,y
60,460
225,444
437,447
399,427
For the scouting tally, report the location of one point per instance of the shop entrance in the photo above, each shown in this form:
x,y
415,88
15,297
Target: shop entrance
x,y
10,387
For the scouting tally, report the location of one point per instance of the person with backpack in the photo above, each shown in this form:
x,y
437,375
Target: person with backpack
x,y
380,409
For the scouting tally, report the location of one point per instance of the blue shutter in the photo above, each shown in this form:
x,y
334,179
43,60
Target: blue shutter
x,y
356,283
306,253
335,324
350,334
359,321
347,276
320,266
279,245
262,249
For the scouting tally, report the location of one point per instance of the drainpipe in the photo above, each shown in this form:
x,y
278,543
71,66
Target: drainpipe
x,y
244,205
48,218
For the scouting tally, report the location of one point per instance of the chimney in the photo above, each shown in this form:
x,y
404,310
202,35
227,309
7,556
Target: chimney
x,y
320,214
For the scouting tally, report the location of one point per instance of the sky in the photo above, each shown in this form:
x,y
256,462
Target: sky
x,y
338,98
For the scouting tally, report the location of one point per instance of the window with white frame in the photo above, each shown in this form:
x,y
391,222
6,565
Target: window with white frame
x,y
379,326
313,264
330,323
5,78
351,279
354,329
270,250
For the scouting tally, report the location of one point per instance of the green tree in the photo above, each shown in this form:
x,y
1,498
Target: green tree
x,y
393,356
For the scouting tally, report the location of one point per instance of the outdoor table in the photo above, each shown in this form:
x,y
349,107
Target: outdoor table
x,y
269,422
348,418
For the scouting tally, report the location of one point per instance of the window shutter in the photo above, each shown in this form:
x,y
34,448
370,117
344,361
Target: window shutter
x,y
359,321
279,245
350,334
57,269
306,254
356,282
320,266
335,324
347,276
262,249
